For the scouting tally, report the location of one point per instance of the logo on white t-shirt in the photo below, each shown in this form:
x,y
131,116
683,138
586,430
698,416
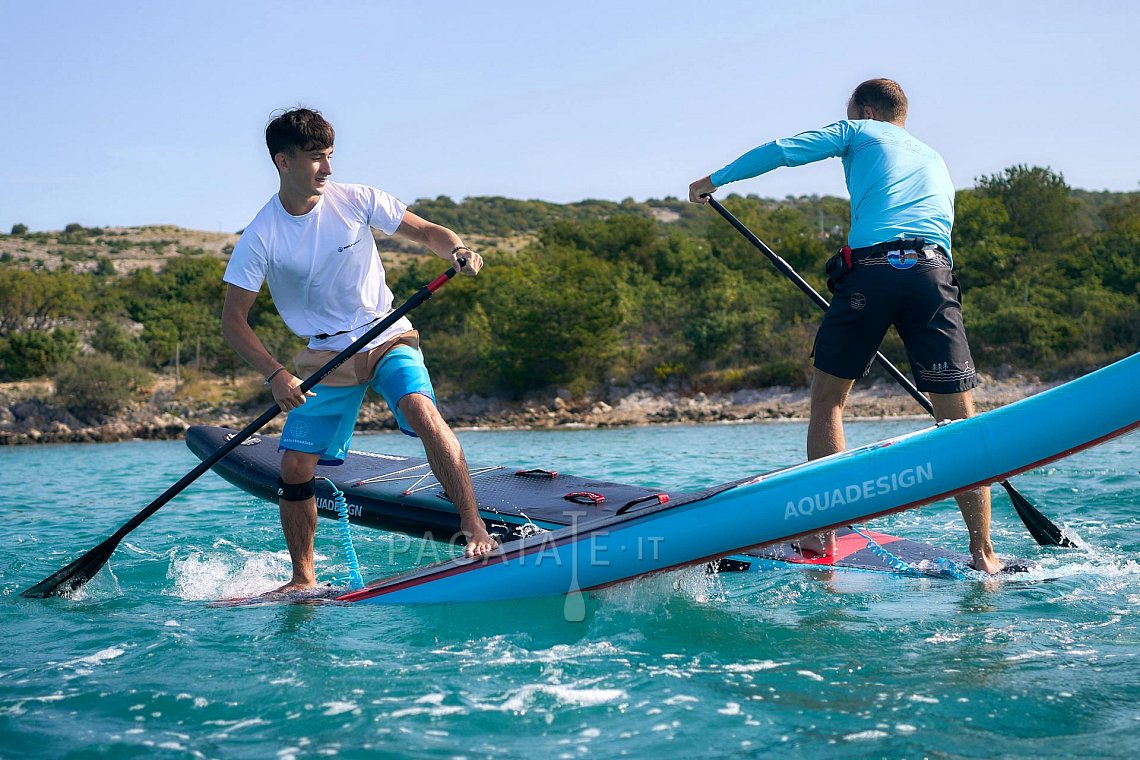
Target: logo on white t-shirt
x,y
343,248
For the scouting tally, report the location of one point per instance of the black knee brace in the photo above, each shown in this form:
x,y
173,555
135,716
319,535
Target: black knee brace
x,y
296,491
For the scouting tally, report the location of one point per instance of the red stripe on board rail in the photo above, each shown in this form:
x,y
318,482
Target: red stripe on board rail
x,y
391,585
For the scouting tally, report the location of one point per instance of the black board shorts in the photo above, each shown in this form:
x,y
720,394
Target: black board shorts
x,y
922,302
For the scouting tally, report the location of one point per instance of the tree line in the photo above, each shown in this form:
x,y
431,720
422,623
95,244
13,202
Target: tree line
x,y
661,292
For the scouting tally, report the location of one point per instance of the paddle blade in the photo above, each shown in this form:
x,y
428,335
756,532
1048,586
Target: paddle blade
x,y
1044,532
72,577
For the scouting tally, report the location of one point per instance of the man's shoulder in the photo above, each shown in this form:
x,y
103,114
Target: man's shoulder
x,y
264,216
351,192
368,204
887,134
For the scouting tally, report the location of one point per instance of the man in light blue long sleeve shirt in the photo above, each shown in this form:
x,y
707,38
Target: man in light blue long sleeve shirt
x,y
895,270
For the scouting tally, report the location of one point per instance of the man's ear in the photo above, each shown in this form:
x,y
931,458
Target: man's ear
x,y
281,161
869,113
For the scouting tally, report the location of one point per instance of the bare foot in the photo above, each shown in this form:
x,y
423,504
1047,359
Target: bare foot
x,y
986,562
820,544
479,542
294,586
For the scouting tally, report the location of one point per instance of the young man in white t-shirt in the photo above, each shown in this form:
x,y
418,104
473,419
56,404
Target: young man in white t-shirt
x,y
313,243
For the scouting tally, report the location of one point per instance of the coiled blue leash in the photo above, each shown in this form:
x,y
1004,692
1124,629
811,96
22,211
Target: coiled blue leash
x,y
897,564
946,567
354,578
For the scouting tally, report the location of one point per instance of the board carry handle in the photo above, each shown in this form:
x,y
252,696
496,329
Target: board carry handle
x,y
585,497
656,498
537,472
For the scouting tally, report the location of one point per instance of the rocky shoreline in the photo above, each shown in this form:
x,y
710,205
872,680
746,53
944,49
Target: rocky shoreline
x,y
28,416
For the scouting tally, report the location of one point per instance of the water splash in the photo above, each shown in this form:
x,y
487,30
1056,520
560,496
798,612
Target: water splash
x,y
206,576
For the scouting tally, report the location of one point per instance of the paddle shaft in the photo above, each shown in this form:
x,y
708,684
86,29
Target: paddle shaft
x,y
786,269
241,436
81,570
1040,527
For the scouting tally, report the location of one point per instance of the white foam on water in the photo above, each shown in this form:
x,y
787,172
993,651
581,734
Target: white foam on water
x,y
49,698
85,666
1033,654
1112,570
753,667
944,637
339,708
501,650
860,736
563,694
196,701
202,576
810,674
431,710
17,708
103,655
230,726
139,550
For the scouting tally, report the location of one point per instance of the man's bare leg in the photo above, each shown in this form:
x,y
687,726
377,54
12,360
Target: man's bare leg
x,y
299,520
825,437
449,465
974,505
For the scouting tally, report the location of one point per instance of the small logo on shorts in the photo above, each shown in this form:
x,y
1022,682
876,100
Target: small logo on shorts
x,y
300,430
858,301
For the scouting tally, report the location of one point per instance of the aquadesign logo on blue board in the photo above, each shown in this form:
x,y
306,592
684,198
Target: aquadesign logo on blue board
x,y
885,484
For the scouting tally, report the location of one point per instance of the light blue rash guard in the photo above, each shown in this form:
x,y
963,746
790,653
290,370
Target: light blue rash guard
x,y
899,186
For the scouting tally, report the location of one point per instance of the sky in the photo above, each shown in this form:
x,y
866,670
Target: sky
x,y
136,113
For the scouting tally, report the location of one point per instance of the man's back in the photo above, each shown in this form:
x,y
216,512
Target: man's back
x,y
900,187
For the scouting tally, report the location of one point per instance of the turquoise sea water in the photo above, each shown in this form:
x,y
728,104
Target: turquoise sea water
x,y
806,664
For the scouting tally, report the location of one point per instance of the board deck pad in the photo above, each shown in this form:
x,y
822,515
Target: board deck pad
x,y
399,493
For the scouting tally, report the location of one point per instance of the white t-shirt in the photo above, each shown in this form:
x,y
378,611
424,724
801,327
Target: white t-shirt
x,y
323,269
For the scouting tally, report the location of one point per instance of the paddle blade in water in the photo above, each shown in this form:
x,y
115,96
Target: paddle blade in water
x,y
1044,532
66,580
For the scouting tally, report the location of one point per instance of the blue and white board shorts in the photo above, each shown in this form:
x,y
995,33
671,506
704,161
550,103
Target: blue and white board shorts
x,y
324,423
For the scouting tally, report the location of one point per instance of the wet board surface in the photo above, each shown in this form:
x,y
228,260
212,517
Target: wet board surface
x,y
399,493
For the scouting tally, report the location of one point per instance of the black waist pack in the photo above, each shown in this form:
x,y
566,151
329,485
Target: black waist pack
x,y
838,266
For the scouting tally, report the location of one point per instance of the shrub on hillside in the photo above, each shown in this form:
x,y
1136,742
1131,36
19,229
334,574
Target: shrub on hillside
x,y
94,388
36,353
